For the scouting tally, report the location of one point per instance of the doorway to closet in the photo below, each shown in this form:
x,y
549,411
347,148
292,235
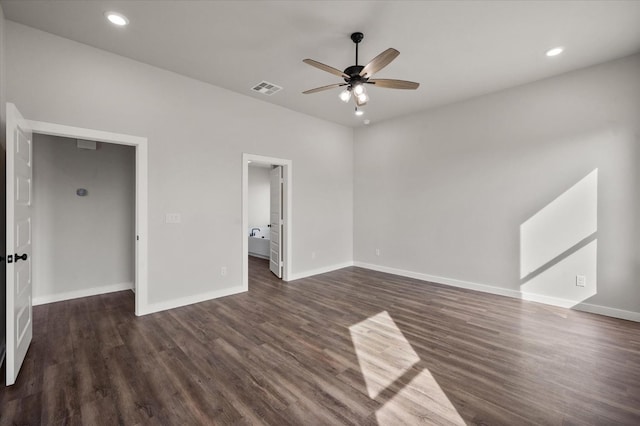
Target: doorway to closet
x,y
83,218
20,223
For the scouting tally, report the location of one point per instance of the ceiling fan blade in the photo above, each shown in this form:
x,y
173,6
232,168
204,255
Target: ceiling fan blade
x,y
379,62
394,84
320,89
326,68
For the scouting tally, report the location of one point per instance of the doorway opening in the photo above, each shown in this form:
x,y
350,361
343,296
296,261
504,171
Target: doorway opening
x,y
83,218
266,214
140,202
19,221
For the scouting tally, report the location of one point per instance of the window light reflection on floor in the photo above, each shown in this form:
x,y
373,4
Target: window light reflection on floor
x,y
392,375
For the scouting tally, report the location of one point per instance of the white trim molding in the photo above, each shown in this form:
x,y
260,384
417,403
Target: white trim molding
x,y
441,280
85,292
323,270
287,196
516,294
190,300
141,214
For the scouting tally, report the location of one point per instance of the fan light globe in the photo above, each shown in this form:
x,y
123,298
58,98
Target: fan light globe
x,y
363,98
359,112
358,89
345,95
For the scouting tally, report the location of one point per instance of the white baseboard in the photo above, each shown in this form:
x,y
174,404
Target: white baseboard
x,y
176,303
554,301
610,312
85,292
323,270
190,300
441,280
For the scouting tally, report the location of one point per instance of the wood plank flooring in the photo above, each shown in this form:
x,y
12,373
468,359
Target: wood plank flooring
x,y
348,347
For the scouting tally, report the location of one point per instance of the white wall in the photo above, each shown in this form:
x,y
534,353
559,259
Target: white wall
x,y
83,244
448,192
3,193
259,196
197,134
3,98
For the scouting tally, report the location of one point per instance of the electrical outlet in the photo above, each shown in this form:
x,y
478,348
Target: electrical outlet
x,y
223,271
581,280
173,218
377,252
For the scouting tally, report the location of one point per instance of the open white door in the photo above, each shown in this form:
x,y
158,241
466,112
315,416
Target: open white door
x,y
275,245
19,309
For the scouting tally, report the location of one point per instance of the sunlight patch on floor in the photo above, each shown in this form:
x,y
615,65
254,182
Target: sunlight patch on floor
x,y
383,352
409,394
422,401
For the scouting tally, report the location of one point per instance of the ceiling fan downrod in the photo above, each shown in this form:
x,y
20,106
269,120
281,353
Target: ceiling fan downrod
x,y
354,70
357,38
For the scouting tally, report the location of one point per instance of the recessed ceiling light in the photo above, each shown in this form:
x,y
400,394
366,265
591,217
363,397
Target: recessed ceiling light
x,y
367,121
117,18
555,51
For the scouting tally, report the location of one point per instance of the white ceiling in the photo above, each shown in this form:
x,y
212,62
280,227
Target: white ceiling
x,y
455,49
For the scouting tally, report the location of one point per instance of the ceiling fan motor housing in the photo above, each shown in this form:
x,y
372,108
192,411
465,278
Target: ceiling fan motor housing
x,y
354,74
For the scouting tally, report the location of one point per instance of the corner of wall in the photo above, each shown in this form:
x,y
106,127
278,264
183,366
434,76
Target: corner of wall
x,y
500,291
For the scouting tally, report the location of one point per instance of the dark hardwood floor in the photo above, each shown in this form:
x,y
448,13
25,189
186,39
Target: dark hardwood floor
x,y
348,347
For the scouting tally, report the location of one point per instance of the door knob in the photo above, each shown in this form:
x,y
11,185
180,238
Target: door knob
x,y
22,257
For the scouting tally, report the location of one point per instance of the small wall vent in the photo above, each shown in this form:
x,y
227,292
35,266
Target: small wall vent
x,y
83,144
266,88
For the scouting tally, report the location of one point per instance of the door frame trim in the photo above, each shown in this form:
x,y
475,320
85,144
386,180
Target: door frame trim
x,y
142,212
287,198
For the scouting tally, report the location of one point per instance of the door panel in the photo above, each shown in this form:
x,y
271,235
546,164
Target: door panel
x,y
23,233
18,216
23,190
275,244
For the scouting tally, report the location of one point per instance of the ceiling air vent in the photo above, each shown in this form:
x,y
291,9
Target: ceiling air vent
x,y
266,88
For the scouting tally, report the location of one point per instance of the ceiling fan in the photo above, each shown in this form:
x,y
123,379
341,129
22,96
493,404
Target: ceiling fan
x,y
356,76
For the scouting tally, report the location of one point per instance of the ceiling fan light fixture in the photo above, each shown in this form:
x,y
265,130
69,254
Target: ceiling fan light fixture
x,y
356,76
345,95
